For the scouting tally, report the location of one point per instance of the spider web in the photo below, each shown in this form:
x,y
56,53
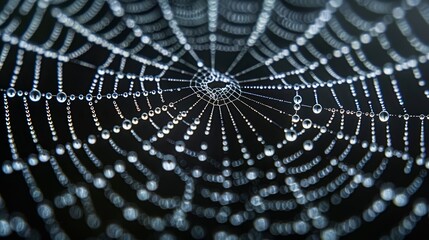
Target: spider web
x,y
213,119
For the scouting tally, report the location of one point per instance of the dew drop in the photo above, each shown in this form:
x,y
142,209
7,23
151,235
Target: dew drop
x,y
306,124
61,97
169,162
126,124
252,173
290,135
308,145
180,146
297,99
5,229
269,150
261,224
317,108
295,118
105,134
132,157
35,95
383,116
130,213
11,92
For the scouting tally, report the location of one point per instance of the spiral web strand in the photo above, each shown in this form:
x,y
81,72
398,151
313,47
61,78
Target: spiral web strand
x,y
224,119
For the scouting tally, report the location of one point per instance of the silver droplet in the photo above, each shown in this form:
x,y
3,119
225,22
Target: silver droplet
x,y
61,97
35,95
383,116
317,108
290,135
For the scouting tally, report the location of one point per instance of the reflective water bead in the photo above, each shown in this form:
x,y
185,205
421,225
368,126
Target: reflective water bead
x,y
105,134
269,150
10,92
317,108
290,135
132,157
35,95
92,139
252,173
126,124
420,208
307,123
108,172
400,200
59,149
169,162
383,116
130,213
5,229
308,145
180,146
261,224
143,194
152,185
61,97
297,99
295,118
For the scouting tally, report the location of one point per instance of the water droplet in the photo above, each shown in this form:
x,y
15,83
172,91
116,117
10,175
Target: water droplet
x,y
77,144
61,97
383,116
35,95
126,124
406,116
44,156
358,113
269,150
317,108
105,134
60,150
297,99
400,200
301,227
88,97
180,146
109,172
387,193
5,229
308,145
92,139
11,92
261,224
256,200
295,118
132,157
143,194
152,185
388,152
169,162
252,173
196,173
329,234
130,213
119,166
420,208
198,232
44,211
290,135
99,182
340,135
307,123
